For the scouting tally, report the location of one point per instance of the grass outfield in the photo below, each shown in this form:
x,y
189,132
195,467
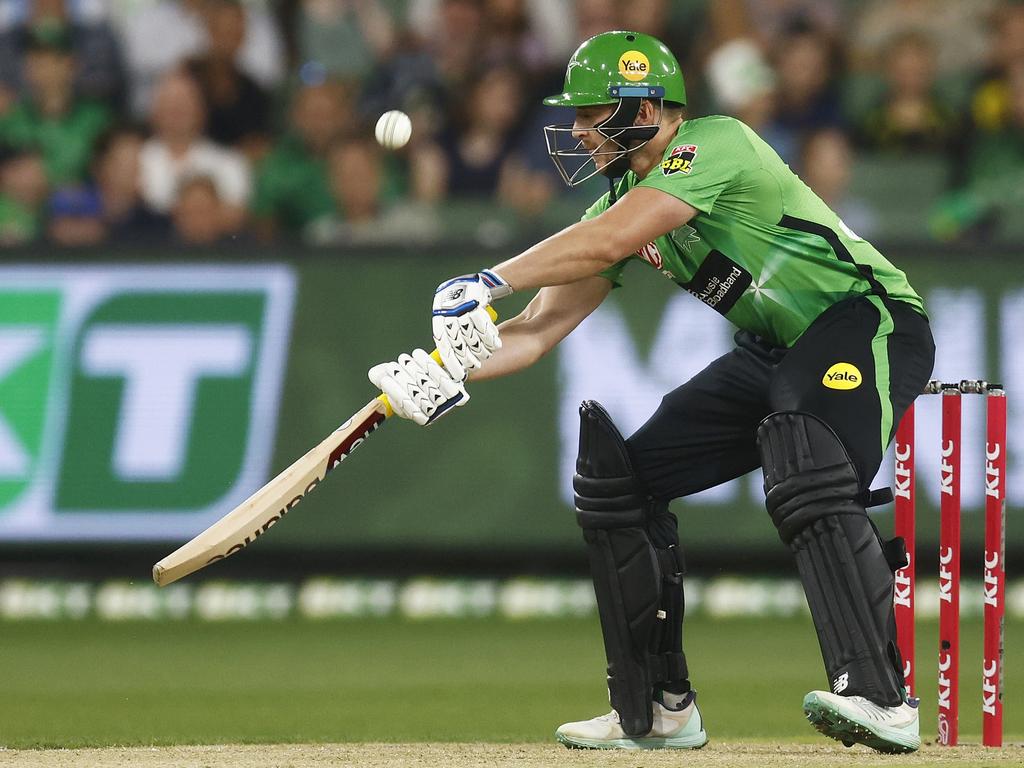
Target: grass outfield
x,y
89,684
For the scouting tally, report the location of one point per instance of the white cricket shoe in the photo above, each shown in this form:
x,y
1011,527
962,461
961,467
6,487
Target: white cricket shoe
x,y
672,729
856,720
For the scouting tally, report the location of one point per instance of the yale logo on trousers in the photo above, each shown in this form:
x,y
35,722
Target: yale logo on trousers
x,y
842,376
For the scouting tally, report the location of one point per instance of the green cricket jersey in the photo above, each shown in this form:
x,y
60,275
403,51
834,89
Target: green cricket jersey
x,y
763,249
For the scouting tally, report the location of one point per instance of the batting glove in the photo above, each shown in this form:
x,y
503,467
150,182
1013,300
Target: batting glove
x,y
418,388
463,330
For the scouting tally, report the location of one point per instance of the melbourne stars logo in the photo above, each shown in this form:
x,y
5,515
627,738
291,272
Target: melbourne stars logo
x,y
685,237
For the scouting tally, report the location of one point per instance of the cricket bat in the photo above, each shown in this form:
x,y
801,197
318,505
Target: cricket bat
x,y
265,508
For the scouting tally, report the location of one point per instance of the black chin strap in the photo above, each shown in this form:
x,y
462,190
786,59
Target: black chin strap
x,y
619,128
612,197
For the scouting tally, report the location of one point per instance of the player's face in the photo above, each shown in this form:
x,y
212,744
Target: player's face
x,y
582,129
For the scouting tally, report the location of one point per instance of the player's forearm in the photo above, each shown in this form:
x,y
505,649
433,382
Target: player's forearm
x,y
577,252
520,348
549,317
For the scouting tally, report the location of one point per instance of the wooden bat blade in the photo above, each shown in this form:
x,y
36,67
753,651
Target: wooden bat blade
x,y
250,519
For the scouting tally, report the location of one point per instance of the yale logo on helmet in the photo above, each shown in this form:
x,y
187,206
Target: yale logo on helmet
x,y
634,66
842,376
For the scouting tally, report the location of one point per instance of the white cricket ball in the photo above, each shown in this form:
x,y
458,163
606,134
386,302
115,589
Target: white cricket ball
x,y
393,129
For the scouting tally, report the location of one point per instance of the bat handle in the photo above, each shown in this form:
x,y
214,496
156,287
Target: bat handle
x,y
388,411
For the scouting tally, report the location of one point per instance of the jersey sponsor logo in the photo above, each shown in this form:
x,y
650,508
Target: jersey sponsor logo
x,y
634,66
652,255
679,160
719,282
842,376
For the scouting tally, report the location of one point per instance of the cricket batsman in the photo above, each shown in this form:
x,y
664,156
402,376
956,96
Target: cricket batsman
x,y
833,346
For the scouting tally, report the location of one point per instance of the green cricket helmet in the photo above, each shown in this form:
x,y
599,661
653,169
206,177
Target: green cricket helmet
x,y
621,68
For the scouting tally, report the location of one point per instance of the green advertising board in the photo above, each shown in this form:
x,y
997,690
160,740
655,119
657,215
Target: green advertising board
x,y
136,402
141,401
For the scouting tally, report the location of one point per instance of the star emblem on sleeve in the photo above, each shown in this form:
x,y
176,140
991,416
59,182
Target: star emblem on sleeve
x,y
685,237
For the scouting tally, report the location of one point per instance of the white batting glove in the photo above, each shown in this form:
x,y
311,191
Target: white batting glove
x,y
418,388
463,330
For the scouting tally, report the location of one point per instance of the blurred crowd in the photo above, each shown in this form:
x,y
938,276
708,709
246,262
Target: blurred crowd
x,y
205,122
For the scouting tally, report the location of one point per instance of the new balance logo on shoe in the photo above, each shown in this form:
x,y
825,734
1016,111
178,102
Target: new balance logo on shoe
x,y
841,683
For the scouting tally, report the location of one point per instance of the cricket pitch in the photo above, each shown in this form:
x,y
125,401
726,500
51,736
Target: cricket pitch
x,y
379,755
